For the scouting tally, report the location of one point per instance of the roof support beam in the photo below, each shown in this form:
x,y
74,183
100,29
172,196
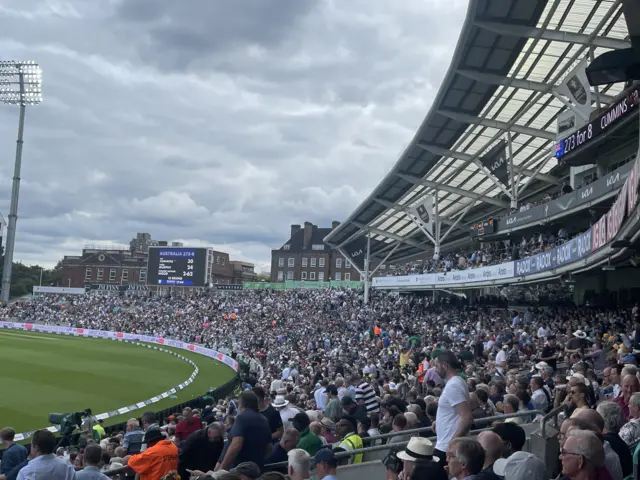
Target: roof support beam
x,y
403,208
493,79
393,236
469,158
553,35
487,122
457,191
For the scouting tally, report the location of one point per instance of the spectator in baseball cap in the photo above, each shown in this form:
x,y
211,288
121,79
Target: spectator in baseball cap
x,y
309,441
247,470
326,464
521,466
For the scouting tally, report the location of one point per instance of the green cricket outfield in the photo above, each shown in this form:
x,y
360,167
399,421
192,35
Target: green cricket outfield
x,y
46,373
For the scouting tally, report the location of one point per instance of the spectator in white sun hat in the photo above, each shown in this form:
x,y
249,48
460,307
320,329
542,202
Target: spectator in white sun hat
x,y
521,466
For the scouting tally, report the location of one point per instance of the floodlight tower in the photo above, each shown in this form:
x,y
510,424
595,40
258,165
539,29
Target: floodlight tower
x,y
20,84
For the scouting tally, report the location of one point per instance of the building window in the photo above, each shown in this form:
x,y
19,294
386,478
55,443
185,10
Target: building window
x,y
383,267
286,247
321,276
291,262
304,261
281,262
218,259
304,276
112,274
87,274
347,277
100,274
290,275
125,274
313,261
280,275
143,275
321,262
338,263
338,276
347,264
312,275
222,260
317,247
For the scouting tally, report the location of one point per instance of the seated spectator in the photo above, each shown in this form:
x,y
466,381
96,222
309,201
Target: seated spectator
x,y
630,431
280,452
160,457
132,440
309,441
44,463
325,464
583,457
492,445
299,464
92,461
465,458
612,416
13,454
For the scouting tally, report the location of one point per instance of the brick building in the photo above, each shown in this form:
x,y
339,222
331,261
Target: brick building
x,y
104,264
242,272
124,265
306,257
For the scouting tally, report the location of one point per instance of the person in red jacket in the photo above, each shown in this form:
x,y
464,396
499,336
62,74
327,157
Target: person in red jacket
x,y
188,425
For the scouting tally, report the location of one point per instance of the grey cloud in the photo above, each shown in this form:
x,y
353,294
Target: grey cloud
x,y
285,112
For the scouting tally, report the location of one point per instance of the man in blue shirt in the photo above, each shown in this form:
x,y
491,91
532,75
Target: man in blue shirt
x,y
250,435
44,463
91,470
13,454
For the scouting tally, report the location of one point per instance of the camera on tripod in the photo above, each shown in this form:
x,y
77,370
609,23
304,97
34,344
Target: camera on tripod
x,y
68,421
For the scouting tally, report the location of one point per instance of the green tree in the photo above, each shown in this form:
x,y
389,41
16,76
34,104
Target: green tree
x,y
24,277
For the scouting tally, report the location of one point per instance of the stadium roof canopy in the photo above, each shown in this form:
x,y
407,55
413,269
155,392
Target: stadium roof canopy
x,y
509,56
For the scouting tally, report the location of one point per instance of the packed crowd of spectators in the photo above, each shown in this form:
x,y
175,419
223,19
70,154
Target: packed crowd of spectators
x,y
487,253
331,375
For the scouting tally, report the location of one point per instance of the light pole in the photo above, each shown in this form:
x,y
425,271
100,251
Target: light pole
x,y
20,84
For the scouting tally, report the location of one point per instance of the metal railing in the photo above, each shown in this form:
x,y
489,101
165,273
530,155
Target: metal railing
x,y
553,414
412,432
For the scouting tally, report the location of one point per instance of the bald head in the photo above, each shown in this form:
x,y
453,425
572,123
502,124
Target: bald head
x,y
491,442
314,427
593,418
412,419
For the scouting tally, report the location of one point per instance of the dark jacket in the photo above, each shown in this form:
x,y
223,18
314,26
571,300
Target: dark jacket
x,y
198,453
622,449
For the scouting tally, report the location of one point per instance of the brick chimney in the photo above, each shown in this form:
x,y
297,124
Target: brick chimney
x,y
334,224
308,232
294,229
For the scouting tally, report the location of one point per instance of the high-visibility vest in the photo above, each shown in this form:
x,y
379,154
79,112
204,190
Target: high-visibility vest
x,y
354,442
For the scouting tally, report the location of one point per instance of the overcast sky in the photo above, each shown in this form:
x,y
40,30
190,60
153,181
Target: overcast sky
x,y
216,122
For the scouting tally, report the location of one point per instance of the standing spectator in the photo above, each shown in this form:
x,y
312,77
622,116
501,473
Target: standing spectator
x,y
326,464
160,457
465,458
91,460
188,425
44,463
630,431
333,410
320,395
13,454
270,413
539,397
366,397
453,418
99,427
132,440
285,409
299,464
201,450
250,436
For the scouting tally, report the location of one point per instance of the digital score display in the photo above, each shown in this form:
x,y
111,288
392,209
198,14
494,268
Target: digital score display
x,y
184,267
592,130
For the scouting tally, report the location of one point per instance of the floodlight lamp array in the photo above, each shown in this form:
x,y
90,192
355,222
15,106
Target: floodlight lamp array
x,y
20,83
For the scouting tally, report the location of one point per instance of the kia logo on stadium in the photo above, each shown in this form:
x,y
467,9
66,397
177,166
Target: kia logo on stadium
x,y
119,335
79,331
220,356
161,341
192,347
28,326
